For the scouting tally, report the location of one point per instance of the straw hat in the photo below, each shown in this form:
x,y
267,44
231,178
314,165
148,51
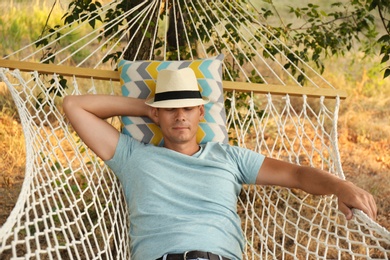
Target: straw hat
x,y
177,88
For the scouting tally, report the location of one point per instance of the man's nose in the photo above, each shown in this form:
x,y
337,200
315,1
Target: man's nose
x,y
180,115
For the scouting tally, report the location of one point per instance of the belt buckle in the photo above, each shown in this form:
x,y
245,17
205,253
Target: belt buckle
x,y
185,255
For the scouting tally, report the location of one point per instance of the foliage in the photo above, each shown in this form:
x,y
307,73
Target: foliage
x,y
313,35
383,7
316,33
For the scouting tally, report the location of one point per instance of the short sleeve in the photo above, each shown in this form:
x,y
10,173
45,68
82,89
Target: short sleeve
x,y
124,148
248,163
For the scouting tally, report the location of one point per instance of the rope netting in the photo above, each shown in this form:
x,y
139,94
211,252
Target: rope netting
x,y
71,205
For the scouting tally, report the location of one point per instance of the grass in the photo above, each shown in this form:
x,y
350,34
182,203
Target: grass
x,y
12,153
364,121
18,29
16,26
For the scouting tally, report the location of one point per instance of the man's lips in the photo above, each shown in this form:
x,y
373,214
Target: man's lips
x,y
180,127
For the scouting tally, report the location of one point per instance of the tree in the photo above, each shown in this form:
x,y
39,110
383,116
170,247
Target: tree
x,y
349,23
315,34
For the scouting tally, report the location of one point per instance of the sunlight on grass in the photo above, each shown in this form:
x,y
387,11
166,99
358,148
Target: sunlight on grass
x,y
23,22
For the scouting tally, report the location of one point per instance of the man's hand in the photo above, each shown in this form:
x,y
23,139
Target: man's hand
x,y
352,197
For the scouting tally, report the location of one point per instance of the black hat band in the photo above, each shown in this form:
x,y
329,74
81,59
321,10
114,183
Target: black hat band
x,y
183,94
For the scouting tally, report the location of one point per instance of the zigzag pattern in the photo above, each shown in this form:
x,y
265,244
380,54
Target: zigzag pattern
x,y
138,80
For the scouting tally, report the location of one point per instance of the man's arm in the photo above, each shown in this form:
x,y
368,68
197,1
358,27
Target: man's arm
x,y
87,114
317,182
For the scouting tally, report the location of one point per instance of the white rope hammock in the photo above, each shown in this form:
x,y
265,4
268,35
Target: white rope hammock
x,y
72,207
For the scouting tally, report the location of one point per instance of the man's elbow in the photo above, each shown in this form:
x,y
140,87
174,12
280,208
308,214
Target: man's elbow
x,y
67,104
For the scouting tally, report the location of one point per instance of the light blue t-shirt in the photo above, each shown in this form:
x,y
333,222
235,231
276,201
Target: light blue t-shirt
x,y
178,202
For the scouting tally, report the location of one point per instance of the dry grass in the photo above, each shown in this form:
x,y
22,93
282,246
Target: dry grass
x,y
12,154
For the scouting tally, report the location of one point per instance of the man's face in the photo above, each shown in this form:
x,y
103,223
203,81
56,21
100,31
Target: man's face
x,y
179,125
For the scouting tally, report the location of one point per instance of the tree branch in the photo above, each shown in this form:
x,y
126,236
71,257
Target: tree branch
x,y
382,18
47,19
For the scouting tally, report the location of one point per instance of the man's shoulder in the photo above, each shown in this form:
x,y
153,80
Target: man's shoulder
x,y
235,152
224,146
131,140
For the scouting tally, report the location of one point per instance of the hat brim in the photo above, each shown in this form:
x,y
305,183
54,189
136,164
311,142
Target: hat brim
x,y
176,103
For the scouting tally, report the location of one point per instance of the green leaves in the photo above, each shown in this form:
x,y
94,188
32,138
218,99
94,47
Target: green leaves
x,y
334,32
385,51
80,10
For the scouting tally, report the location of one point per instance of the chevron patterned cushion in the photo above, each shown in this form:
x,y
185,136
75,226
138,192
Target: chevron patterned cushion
x,y
138,80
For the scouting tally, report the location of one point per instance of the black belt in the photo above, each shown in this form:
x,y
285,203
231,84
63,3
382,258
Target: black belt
x,y
193,255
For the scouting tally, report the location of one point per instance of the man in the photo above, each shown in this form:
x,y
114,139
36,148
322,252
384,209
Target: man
x,y
182,197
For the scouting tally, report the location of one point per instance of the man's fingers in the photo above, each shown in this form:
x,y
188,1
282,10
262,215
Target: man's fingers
x,y
374,209
345,210
368,207
352,197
